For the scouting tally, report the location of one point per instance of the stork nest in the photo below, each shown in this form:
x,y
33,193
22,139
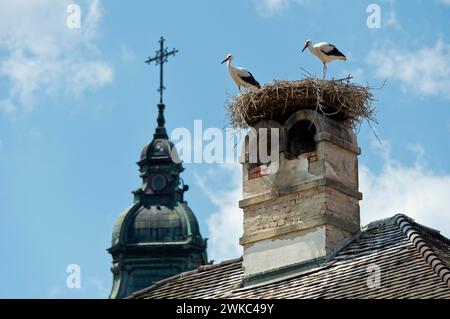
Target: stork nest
x,y
343,101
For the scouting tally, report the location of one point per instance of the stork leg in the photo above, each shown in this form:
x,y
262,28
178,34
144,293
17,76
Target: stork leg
x,y
324,70
239,89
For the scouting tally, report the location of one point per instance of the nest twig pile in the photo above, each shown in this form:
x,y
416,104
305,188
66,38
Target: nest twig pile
x,y
346,102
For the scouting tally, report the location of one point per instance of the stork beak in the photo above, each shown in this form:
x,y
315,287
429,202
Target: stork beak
x,y
226,59
306,45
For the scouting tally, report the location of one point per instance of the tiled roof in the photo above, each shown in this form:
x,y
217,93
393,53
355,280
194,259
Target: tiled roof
x,y
413,261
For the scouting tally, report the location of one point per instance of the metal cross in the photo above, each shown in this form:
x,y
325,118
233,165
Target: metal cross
x,y
160,58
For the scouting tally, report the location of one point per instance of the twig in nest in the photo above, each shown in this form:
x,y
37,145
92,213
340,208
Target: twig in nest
x,y
345,102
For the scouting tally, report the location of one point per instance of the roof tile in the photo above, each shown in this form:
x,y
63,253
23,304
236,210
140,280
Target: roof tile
x,y
413,259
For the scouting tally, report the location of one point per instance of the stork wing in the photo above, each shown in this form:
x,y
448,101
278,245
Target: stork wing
x,y
243,73
246,76
329,49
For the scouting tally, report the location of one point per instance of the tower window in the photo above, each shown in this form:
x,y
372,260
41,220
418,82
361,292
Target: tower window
x,y
301,138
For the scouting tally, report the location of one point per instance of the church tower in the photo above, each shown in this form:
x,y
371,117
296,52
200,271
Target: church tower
x,y
158,236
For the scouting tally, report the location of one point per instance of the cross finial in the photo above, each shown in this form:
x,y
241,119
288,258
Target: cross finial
x,y
160,58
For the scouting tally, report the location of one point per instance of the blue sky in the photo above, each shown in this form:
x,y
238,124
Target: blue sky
x,y
77,106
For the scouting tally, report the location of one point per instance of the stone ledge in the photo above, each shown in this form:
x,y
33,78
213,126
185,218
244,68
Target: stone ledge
x,y
300,188
284,230
282,273
325,136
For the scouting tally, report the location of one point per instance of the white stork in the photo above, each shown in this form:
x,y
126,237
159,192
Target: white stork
x,y
241,76
326,52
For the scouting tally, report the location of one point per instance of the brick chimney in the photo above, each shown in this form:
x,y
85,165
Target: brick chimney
x,y
298,216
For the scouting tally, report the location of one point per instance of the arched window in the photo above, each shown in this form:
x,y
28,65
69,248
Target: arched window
x,y
301,138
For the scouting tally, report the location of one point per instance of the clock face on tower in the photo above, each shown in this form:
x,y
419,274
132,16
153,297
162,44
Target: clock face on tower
x,y
158,182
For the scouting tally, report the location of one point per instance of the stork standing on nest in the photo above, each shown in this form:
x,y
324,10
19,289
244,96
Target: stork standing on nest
x,y
326,52
241,76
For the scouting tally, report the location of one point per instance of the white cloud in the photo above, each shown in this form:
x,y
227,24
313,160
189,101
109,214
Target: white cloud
x,y
40,54
271,7
267,8
391,19
90,75
225,225
445,2
357,74
417,191
126,53
426,71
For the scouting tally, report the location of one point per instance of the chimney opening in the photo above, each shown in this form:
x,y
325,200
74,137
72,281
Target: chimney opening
x,y
301,139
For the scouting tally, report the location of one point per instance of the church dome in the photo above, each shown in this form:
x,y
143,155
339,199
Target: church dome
x,y
156,224
158,148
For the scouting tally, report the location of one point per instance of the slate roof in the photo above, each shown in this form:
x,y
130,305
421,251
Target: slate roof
x,y
414,262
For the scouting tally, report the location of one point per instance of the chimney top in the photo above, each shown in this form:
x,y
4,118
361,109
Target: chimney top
x,y
301,208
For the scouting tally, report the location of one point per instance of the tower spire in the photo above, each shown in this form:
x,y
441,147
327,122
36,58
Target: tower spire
x,y
160,131
161,57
